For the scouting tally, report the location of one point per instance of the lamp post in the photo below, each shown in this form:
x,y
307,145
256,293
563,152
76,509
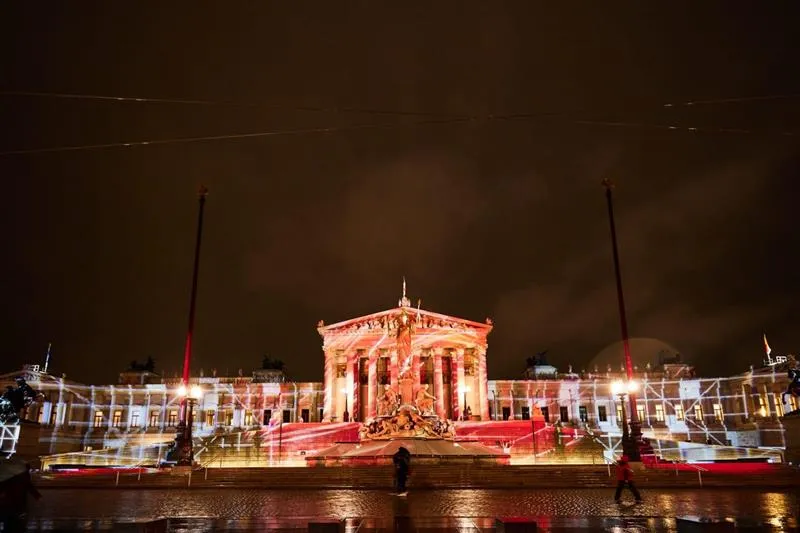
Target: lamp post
x,y
184,438
180,437
345,415
636,429
630,444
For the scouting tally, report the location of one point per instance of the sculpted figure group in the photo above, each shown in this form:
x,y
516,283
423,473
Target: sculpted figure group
x,y
389,402
400,420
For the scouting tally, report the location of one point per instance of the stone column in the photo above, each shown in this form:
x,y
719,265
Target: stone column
x,y
350,379
438,382
372,388
457,381
483,384
329,385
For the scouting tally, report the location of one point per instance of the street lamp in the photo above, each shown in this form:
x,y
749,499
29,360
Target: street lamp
x,y
464,390
636,427
345,415
630,443
183,439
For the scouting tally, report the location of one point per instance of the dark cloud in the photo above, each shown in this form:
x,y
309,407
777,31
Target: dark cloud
x,y
504,218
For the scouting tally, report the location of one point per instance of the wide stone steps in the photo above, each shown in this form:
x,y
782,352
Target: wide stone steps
x,y
422,476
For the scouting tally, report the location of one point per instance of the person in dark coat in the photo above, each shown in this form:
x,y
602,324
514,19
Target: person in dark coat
x,y
625,476
402,467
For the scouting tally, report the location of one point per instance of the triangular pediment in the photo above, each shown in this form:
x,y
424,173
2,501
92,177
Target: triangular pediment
x,y
32,377
422,318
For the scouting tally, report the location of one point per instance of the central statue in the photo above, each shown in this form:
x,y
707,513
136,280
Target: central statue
x,y
405,328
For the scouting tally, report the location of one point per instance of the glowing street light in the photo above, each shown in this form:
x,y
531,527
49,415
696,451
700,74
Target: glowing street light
x,y
190,396
620,388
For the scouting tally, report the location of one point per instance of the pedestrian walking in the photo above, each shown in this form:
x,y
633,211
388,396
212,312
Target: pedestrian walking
x,y
402,467
625,477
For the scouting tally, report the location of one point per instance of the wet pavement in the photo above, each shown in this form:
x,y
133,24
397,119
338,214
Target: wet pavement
x,y
263,510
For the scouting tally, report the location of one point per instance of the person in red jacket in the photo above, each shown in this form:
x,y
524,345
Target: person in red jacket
x,y
625,476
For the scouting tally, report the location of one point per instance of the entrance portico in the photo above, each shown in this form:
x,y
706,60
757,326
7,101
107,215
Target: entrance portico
x,y
407,352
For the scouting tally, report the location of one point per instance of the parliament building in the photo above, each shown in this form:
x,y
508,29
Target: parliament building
x,y
411,353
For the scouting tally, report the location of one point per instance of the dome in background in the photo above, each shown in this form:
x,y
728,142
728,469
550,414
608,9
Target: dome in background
x,y
643,351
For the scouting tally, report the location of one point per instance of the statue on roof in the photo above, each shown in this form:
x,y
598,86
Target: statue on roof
x,y
794,385
14,400
404,301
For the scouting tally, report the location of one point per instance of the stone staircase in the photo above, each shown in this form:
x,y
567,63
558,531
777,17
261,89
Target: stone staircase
x,y
422,477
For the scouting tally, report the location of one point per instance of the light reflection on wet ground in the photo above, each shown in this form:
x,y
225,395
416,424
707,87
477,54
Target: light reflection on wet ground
x,y
256,504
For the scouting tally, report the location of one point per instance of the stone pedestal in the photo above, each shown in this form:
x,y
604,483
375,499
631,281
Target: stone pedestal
x,y
791,426
406,391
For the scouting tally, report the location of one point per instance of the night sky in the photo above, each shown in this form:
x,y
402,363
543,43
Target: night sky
x,y
502,218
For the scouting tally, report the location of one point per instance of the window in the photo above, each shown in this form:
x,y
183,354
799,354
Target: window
x,y
135,420
678,411
305,414
583,414
659,412
209,418
98,419
267,416
321,414
602,416
117,420
619,414
154,418
287,416
718,414
526,412
546,413
173,418
564,412
228,418
506,413
640,412
778,408
762,406
53,412
382,369
248,418
698,412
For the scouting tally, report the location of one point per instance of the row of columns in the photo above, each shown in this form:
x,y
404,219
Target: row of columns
x,y
333,408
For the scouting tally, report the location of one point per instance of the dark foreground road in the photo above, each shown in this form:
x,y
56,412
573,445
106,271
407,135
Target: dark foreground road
x,y
253,503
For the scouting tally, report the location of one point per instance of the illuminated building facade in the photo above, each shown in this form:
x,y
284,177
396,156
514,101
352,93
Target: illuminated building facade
x,y
406,350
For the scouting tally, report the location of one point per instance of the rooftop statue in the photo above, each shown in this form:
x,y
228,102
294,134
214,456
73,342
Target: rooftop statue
x,y
14,400
794,385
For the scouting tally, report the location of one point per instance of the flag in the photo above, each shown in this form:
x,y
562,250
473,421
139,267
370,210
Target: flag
x,y
767,349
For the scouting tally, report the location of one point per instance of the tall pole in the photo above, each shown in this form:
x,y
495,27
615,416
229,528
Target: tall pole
x,y
183,438
187,352
623,321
